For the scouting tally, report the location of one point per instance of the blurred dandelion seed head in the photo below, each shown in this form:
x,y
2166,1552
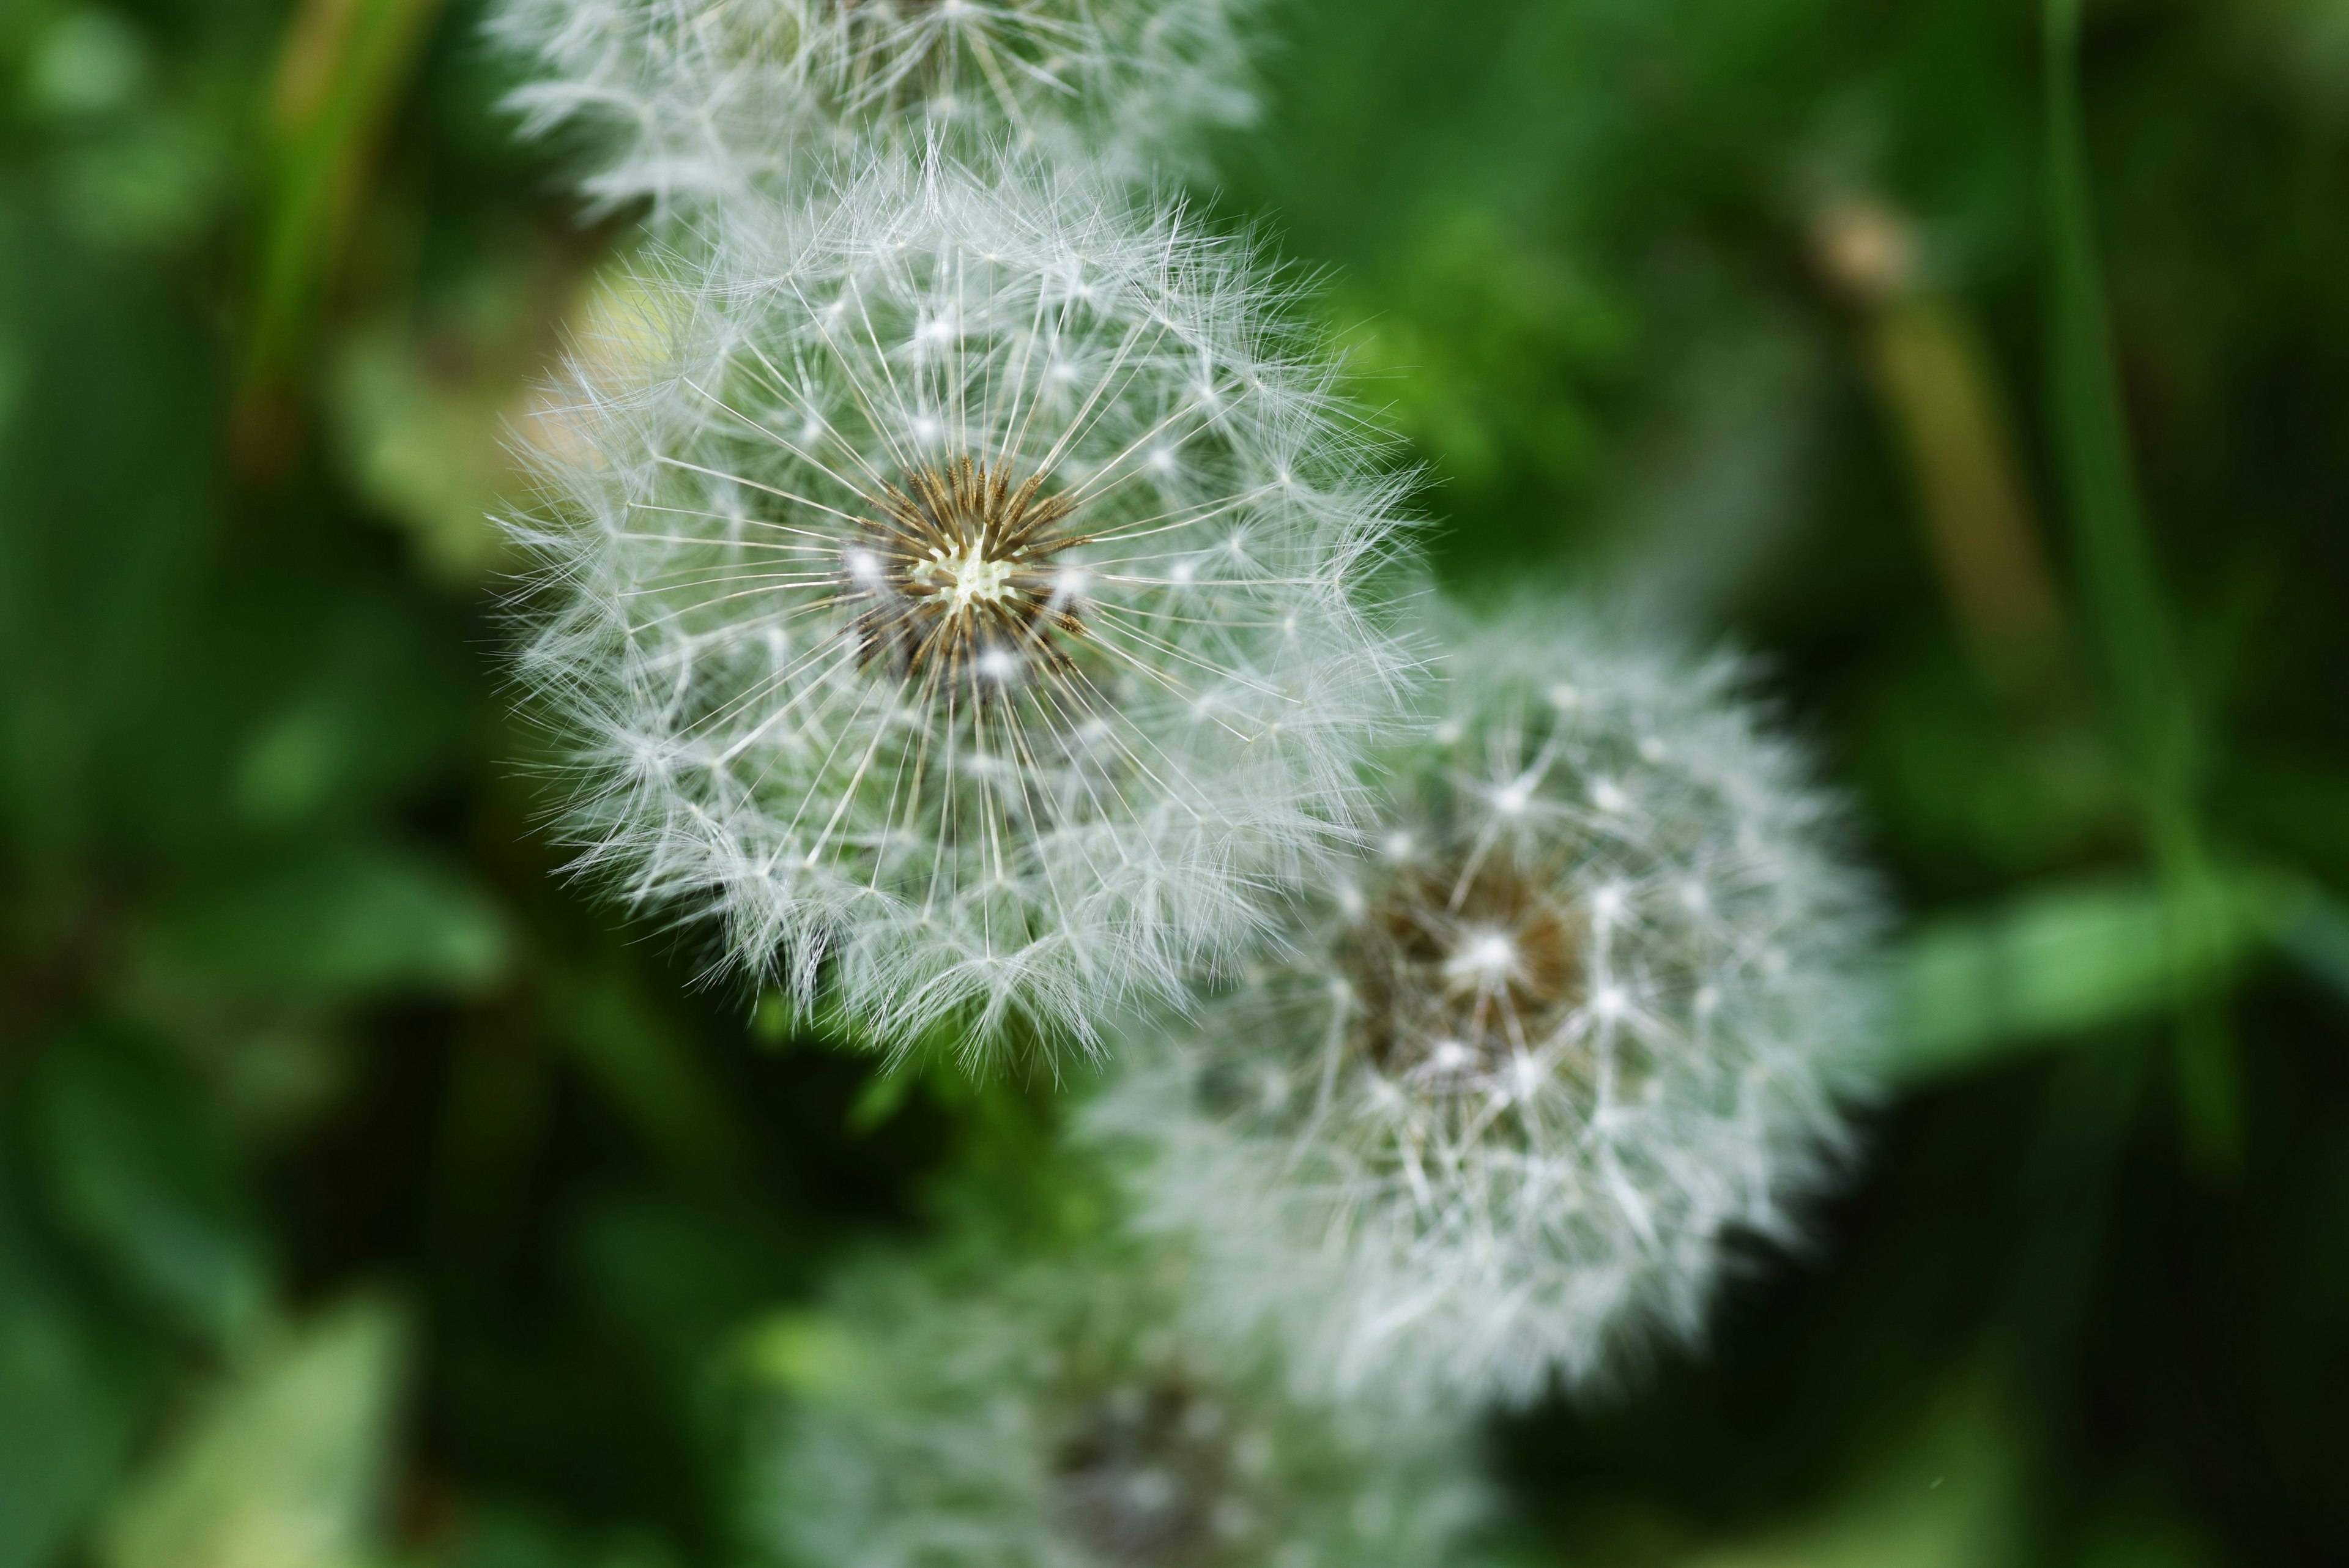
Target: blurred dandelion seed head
x,y
1587,1011
1147,1475
695,102
1063,1417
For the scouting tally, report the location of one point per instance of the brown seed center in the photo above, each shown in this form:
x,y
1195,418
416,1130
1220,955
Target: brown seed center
x,y
1455,972
956,578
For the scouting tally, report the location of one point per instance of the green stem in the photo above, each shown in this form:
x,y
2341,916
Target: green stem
x,y
2137,644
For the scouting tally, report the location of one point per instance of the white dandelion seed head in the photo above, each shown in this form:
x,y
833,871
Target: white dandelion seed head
x,y
1016,765
1529,1080
686,102
1059,1418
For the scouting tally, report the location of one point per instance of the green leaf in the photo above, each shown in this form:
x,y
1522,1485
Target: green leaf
x,y
504,1534
376,711
284,1467
139,1174
811,1354
2069,959
2143,666
645,1066
679,1276
337,923
884,1096
2106,510
343,69
2318,941
68,1402
1946,1495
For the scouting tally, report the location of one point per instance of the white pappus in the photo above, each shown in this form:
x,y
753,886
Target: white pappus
x,y
692,100
1589,1008
981,607
1058,1417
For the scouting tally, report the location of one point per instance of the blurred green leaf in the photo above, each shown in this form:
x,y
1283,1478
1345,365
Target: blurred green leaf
x,y
103,714
139,1175
681,1276
2143,667
429,448
2317,939
883,1096
2152,1534
67,1405
15,373
345,63
1488,365
351,920
804,1352
424,398
2106,510
645,1066
89,60
1945,1495
375,712
508,1537
286,1466
2071,959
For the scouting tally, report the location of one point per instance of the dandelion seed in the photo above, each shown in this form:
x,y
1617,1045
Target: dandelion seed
x,y
1030,753
692,102
1061,1418
1530,1073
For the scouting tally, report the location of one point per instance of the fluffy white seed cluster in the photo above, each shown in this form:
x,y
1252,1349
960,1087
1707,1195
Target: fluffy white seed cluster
x,y
1584,1011
691,101
1059,1419
968,591
968,609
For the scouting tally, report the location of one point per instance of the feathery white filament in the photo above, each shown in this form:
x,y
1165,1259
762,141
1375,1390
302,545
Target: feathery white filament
x,y
697,100
1587,1010
930,619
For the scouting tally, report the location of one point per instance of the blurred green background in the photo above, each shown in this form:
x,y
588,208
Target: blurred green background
x,y
370,1196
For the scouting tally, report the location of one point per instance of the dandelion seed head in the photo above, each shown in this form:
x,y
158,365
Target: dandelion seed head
x,y
1062,1416
1537,1069
971,679
692,104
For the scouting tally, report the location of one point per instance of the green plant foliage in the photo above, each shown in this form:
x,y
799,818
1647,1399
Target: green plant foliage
x,y
149,1188
282,1464
340,921
68,1404
2070,961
